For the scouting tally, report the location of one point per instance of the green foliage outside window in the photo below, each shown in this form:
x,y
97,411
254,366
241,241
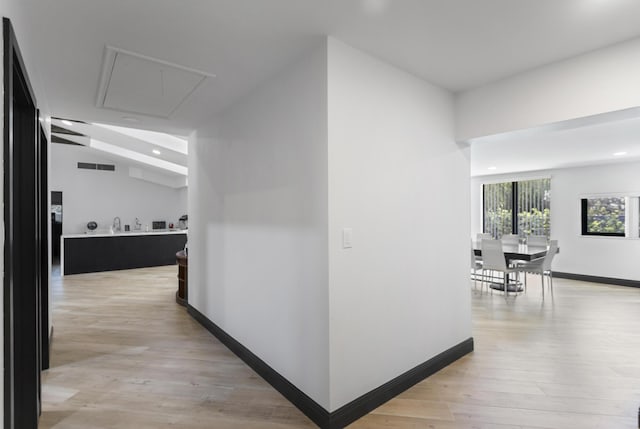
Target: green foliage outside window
x,y
534,222
605,215
533,199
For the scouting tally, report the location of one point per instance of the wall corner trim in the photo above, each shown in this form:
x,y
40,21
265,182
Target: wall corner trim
x,y
353,410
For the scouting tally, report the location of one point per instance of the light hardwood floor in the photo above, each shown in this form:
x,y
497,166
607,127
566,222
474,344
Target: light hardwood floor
x,y
568,362
125,355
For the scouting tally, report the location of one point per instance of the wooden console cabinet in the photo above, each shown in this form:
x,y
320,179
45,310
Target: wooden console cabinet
x,y
183,263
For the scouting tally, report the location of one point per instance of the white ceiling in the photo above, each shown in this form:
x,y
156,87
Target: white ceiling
x,y
547,148
163,157
457,44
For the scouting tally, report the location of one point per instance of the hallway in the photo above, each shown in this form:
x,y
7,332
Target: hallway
x,y
125,355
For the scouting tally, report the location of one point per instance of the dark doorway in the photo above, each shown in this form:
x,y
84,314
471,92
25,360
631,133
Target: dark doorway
x,y
56,225
22,243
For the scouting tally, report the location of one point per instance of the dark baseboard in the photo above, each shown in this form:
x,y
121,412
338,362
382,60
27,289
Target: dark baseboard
x,y
297,397
354,409
596,279
369,401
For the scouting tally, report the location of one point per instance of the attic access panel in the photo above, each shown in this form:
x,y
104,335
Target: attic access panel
x,y
135,83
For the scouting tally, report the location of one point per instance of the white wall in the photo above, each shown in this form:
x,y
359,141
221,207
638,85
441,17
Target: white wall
x,y
183,200
397,178
601,81
597,256
338,140
102,195
613,257
257,220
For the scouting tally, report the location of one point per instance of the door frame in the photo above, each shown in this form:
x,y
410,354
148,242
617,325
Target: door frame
x,y
44,210
22,257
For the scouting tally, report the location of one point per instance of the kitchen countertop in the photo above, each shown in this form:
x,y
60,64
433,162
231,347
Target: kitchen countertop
x,y
125,233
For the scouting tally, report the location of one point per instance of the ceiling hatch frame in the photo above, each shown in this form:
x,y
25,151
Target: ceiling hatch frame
x,y
130,80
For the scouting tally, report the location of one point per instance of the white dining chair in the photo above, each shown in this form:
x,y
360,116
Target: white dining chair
x,y
510,239
537,240
479,237
476,265
482,236
493,260
541,266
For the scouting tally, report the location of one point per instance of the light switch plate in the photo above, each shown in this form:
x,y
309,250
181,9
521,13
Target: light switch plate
x,y
347,238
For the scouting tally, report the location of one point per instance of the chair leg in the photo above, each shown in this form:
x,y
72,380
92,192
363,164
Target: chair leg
x,y
483,280
542,280
505,282
551,281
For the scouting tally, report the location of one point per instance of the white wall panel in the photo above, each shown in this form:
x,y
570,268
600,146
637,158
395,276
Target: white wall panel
x,y
102,195
258,223
397,178
598,82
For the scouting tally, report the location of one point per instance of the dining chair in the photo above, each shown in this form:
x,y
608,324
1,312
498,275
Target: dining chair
x,y
476,265
479,237
482,236
493,260
541,266
510,239
537,240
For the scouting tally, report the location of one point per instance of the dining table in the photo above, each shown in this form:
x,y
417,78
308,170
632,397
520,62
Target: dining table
x,y
515,252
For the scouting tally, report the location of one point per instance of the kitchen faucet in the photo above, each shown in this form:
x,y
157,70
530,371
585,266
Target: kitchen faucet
x,y
138,225
116,224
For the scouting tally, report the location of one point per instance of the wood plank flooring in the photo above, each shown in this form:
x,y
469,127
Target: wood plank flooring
x,y
125,355
568,362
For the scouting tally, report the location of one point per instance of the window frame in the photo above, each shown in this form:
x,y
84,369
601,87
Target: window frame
x,y
514,201
584,224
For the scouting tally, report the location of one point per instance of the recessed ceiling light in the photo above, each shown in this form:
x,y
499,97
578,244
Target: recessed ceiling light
x,y
130,119
492,168
67,123
156,151
619,153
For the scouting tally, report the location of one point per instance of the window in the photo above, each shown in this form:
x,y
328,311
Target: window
x,y
532,199
498,209
534,205
603,216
